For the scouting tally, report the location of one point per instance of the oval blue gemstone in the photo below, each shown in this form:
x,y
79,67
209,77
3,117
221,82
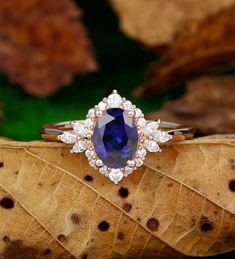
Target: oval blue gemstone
x,y
115,138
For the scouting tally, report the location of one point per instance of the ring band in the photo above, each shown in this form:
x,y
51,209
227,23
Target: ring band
x,y
115,136
179,132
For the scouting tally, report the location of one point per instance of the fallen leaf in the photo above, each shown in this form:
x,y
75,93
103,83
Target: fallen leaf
x,y
43,44
157,22
208,105
180,202
211,48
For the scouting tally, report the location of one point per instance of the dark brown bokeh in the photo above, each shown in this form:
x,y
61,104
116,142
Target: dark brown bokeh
x,y
208,105
209,48
43,44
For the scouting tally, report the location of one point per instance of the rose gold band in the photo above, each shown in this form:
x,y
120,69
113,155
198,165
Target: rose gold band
x,y
179,132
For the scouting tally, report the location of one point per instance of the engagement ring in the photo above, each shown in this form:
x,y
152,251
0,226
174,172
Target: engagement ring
x,y
115,136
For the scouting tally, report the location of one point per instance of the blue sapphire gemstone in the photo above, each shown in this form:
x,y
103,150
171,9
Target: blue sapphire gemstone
x,y
115,138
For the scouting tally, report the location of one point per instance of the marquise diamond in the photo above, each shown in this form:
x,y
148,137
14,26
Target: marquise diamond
x,y
151,146
151,127
80,146
161,136
80,128
68,137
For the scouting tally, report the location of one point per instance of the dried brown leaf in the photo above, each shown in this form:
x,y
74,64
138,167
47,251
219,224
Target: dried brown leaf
x,y
157,22
43,44
208,105
208,49
181,201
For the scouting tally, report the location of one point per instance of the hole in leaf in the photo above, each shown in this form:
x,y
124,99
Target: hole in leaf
x,y
123,192
206,226
88,178
232,185
7,203
103,226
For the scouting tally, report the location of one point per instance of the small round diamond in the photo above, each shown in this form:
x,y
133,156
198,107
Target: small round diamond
x,y
139,162
127,105
89,153
89,122
99,163
116,175
151,146
127,170
114,100
92,163
91,113
131,163
138,112
102,106
98,113
142,152
104,170
131,113
141,122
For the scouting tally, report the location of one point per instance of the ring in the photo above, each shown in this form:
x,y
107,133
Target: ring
x,y
115,136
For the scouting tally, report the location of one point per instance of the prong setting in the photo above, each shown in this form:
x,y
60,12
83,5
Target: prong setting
x,y
81,136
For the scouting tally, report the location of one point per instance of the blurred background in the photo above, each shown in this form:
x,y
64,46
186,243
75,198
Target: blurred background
x,y
122,66
59,58
174,59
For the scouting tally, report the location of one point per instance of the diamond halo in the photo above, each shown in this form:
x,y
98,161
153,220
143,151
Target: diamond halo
x,y
81,136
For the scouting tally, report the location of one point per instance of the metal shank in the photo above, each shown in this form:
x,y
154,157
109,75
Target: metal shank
x,y
179,132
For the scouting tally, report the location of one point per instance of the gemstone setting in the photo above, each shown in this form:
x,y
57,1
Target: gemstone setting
x,y
115,138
